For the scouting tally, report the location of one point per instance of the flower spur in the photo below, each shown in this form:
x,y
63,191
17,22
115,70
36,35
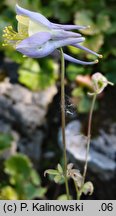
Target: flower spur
x,y
37,37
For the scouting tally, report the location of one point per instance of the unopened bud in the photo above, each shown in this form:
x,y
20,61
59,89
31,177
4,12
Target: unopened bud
x,y
99,83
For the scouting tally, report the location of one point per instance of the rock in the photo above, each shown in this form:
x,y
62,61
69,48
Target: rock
x,y
44,97
106,144
24,112
31,146
102,156
19,94
75,141
24,107
31,116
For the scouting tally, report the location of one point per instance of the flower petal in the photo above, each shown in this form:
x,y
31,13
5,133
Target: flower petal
x,y
87,50
32,15
67,27
35,48
67,41
35,27
32,46
61,34
23,23
74,60
35,40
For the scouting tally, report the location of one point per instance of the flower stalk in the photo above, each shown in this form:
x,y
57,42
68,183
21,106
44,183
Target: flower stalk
x,y
63,119
77,190
89,136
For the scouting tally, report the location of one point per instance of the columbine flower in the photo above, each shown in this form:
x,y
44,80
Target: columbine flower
x,y
37,37
99,82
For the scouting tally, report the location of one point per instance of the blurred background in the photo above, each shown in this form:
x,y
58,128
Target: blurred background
x,y
30,124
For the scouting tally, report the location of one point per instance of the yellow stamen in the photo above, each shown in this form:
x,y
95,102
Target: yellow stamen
x,y
12,37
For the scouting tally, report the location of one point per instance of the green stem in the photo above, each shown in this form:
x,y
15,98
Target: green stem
x,y
77,190
89,137
63,119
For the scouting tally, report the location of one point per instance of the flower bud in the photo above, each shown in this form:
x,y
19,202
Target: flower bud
x,y
99,82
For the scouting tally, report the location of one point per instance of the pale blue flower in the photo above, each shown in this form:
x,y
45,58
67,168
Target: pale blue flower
x,y
37,37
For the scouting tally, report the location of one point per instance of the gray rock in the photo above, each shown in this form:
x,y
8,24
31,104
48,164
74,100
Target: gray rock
x,y
24,107
75,141
31,116
106,144
102,156
23,112
44,97
32,146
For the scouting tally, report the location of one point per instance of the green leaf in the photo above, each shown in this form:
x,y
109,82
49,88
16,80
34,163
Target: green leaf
x,y
8,193
35,178
85,17
63,16
31,5
74,51
32,192
85,104
94,43
29,191
41,192
60,169
28,73
57,178
109,67
78,92
14,55
72,71
51,172
103,22
35,77
63,197
112,29
18,165
5,141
